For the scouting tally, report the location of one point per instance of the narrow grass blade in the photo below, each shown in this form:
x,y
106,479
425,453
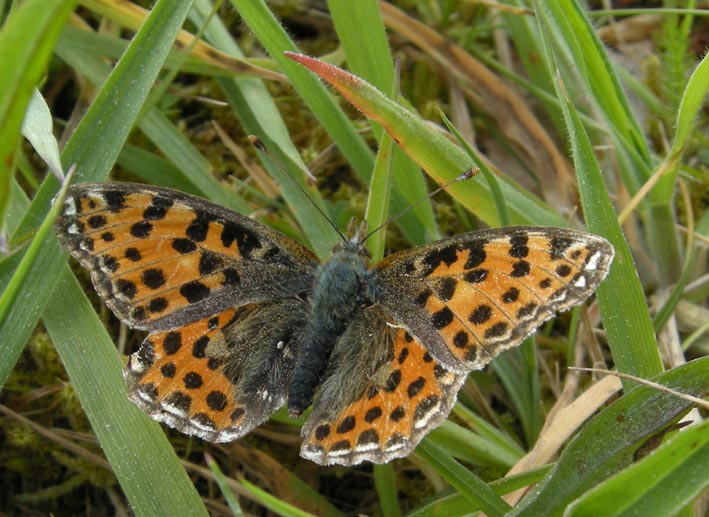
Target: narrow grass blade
x,y
503,213
15,285
470,486
26,42
518,371
451,502
385,482
625,317
370,58
141,457
378,200
273,503
614,435
693,100
224,487
662,483
474,448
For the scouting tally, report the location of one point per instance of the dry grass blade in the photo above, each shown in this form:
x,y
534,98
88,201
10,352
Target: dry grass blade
x,y
557,430
645,382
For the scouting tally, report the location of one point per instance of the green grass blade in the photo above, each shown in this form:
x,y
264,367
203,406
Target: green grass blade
x,y
224,487
15,285
141,457
26,42
692,102
273,503
474,447
379,195
503,213
518,371
662,483
450,502
626,318
613,436
371,59
385,482
274,38
488,431
470,486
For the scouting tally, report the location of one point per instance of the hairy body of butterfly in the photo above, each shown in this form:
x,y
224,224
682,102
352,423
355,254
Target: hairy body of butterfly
x,y
342,286
243,320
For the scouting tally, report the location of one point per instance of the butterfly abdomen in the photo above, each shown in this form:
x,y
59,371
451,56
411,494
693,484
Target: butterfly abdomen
x,y
339,291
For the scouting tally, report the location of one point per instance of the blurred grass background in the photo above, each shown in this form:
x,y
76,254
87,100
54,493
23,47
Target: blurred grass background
x,y
587,118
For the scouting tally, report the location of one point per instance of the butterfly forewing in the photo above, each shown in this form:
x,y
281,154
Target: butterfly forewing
x,y
160,258
473,295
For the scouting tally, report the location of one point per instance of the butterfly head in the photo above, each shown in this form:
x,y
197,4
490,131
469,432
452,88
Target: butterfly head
x,y
353,241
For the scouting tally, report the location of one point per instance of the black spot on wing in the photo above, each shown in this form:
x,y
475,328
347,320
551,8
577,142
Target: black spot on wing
x,y
198,228
559,245
518,246
194,291
476,254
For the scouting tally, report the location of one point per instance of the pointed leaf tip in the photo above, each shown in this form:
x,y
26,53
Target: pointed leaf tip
x,y
337,77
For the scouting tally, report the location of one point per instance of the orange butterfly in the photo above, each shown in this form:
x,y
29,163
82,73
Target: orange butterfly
x,y
243,319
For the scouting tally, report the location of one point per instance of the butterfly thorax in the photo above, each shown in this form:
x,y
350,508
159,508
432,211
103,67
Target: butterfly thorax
x,y
343,286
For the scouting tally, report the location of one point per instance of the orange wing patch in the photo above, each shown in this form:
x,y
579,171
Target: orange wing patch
x,y
406,398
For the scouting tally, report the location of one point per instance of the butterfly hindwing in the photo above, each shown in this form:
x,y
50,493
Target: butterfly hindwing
x,y
473,295
382,394
221,376
161,258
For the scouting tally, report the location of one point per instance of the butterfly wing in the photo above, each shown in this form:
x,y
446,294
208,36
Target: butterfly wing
x,y
471,296
383,392
218,292
161,258
221,376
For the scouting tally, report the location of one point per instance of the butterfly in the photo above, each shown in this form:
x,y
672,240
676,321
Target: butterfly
x,y
243,320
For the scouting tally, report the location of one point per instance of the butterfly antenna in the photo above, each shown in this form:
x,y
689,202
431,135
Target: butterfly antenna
x,y
259,145
466,175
